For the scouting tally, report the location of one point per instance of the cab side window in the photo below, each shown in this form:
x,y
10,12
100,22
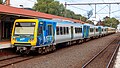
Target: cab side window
x,y
57,30
49,29
40,30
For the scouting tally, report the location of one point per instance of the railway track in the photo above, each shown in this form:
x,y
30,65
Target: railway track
x,y
13,60
104,58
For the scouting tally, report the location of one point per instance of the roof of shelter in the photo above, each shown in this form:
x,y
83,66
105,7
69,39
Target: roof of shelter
x,y
24,12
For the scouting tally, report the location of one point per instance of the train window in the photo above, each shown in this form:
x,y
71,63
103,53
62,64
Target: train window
x,y
49,29
96,30
102,29
75,30
61,30
64,30
40,30
91,29
57,30
80,30
67,30
25,24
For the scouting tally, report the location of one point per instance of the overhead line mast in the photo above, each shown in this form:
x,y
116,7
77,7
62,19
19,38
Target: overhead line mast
x,y
93,4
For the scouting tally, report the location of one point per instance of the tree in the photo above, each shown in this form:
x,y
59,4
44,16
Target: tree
x,y
90,22
1,1
55,8
111,22
49,6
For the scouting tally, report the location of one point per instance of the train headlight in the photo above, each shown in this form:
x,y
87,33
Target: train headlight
x,y
31,39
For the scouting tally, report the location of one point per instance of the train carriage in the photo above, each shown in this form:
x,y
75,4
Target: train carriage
x,y
63,32
111,30
77,31
68,32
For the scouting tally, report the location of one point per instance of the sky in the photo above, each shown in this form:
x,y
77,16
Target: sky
x,y
102,10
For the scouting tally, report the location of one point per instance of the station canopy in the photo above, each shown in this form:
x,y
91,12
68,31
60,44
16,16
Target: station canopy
x,y
8,10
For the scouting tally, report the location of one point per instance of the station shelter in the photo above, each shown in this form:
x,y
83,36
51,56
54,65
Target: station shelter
x,y
8,15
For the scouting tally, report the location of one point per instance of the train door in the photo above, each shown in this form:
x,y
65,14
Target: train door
x,y
48,33
84,31
71,32
87,31
100,30
40,34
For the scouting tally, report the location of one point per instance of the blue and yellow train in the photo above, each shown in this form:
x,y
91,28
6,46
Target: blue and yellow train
x,y
43,35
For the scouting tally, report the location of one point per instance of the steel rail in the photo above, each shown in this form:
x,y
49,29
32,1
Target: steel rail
x,y
108,65
97,54
14,62
9,58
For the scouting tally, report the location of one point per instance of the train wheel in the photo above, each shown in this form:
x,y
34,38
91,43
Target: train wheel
x,y
39,50
70,42
48,48
54,48
43,50
27,52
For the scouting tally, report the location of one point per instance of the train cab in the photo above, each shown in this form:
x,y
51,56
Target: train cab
x,y
28,34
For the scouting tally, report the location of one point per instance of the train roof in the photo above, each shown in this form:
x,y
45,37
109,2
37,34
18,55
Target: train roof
x,y
87,24
40,19
77,24
68,23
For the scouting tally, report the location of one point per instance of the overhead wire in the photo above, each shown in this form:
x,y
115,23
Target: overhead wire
x,y
32,1
101,8
78,8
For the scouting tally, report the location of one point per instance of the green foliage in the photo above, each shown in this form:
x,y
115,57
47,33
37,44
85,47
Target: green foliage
x,y
111,22
90,22
55,8
49,6
1,1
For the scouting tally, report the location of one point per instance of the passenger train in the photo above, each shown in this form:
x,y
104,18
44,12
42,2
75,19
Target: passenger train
x,y
42,35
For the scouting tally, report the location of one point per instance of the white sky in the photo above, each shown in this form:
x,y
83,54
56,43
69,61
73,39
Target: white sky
x,y
80,8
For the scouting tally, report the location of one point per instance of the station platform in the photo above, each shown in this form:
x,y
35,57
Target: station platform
x,y
5,44
117,61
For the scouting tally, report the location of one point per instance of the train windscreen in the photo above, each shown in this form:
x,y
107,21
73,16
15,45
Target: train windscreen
x,y
24,28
